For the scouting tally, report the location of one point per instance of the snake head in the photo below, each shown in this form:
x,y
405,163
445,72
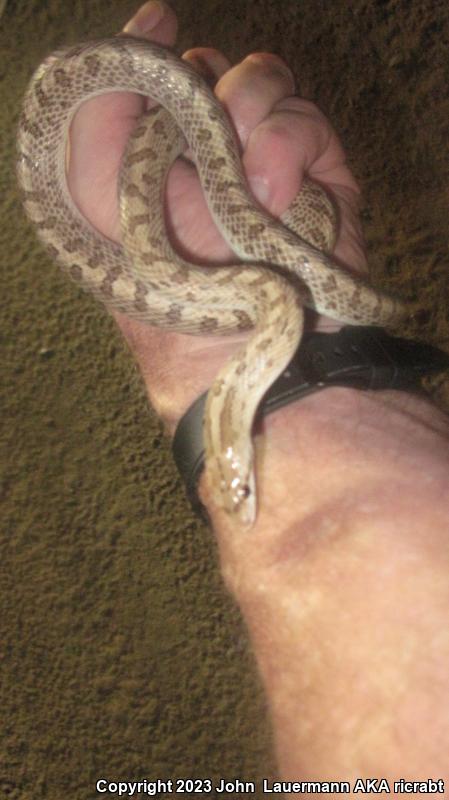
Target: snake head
x,y
235,487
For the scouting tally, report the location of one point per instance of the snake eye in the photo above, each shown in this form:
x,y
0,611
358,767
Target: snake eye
x,y
241,494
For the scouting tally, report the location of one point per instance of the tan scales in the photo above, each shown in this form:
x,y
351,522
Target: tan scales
x,y
145,279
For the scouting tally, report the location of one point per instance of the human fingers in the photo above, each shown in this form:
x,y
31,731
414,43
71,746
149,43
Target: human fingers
x,y
296,141
284,138
248,92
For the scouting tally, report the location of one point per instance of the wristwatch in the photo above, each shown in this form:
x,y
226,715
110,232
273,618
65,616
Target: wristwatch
x,y
356,356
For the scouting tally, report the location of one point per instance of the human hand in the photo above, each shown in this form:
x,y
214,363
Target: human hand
x,y
282,139
343,583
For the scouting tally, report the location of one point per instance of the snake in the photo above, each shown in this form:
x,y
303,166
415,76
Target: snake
x,y
280,265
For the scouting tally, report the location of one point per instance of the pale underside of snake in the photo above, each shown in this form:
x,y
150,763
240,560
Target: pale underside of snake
x,y
144,278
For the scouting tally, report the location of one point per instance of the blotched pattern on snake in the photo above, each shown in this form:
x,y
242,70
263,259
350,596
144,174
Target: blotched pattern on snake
x,y
146,279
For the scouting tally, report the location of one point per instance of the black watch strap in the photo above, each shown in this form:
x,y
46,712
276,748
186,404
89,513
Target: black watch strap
x,y
355,356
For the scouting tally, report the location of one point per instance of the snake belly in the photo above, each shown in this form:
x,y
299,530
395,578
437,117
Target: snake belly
x,y
146,279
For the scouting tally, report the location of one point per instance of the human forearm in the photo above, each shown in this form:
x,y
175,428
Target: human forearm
x,y
343,583
345,507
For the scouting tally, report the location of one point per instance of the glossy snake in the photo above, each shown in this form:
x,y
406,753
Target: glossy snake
x,y
146,280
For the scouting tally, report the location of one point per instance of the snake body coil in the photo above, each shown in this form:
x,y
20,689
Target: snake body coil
x,y
145,279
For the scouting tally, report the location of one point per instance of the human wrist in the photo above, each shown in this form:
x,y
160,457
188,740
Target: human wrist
x,y
352,357
320,453
352,525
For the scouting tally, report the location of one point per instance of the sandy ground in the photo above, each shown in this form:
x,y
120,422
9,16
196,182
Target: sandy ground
x,y
120,653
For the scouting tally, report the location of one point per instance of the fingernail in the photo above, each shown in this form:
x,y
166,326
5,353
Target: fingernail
x,y
274,63
146,18
260,188
208,67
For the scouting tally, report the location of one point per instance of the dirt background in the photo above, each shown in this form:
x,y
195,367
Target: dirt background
x,y
121,654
